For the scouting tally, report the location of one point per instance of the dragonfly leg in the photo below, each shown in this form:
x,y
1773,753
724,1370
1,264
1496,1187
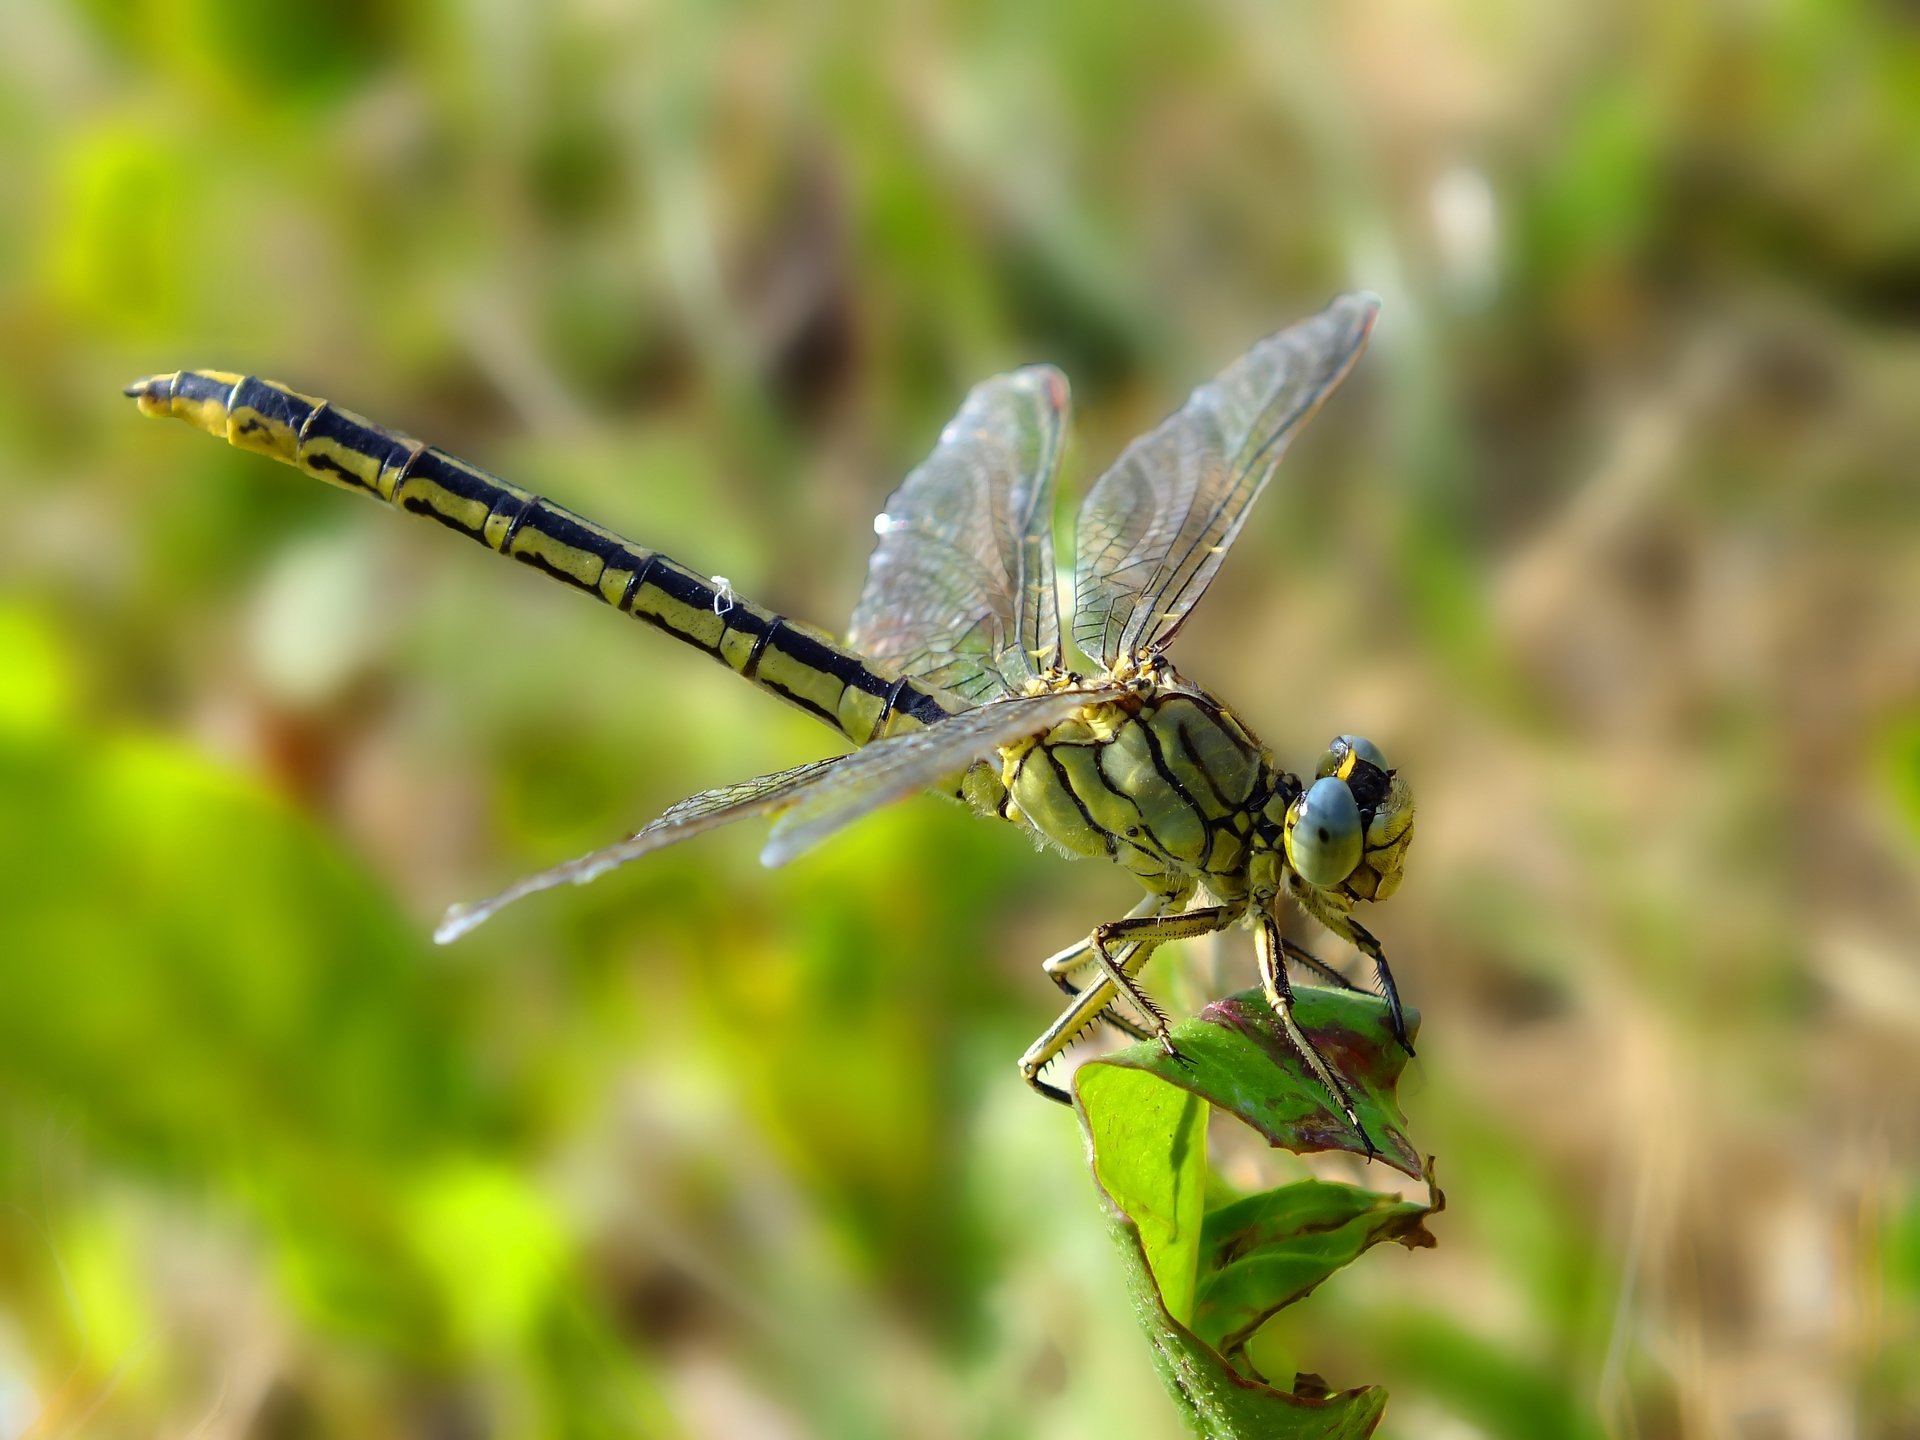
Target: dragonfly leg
x,y
1273,977
1390,992
1080,955
1093,1003
1096,1000
1300,955
1150,932
1357,935
1077,956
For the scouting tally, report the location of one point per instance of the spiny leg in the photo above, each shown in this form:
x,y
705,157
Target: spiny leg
x,y
1135,938
1077,956
1086,1008
1370,947
1080,955
1093,1003
1273,976
1357,935
1152,931
1088,1004
1300,955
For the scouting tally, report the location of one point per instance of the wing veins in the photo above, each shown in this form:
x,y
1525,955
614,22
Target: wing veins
x,y
903,765
1176,500
957,550
695,815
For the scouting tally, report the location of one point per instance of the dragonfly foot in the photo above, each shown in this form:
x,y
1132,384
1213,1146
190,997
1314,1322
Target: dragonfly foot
x,y
1372,1150
1032,1063
1056,1094
1399,1024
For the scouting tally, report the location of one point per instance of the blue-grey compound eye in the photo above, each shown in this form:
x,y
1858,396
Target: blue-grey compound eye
x,y
1365,749
1323,833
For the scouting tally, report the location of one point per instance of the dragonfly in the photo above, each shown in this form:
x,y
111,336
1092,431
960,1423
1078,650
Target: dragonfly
x,y
958,677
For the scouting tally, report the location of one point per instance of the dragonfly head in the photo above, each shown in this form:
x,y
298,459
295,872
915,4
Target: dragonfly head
x,y
1349,830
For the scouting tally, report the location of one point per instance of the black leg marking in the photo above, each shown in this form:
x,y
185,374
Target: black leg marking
x,y
1089,1005
1273,974
1390,992
1111,1015
1149,932
1049,1090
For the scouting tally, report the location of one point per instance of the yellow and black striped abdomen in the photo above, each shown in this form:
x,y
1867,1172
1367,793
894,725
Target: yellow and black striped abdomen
x,y
793,661
1165,786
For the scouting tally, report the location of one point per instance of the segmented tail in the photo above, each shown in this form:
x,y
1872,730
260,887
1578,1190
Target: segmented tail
x,y
791,660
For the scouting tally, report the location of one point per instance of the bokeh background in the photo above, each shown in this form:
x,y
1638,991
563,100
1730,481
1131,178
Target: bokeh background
x,y
1613,543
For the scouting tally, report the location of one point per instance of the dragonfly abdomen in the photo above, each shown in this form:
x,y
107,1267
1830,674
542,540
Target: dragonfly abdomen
x,y
783,656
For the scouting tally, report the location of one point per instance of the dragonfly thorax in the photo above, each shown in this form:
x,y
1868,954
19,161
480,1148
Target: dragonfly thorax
x,y
1165,782
1170,785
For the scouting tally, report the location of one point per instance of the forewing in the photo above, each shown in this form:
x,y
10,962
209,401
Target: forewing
x,y
1154,528
695,815
895,768
960,588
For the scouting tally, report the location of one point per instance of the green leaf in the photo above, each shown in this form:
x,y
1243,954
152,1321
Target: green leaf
x,y
1203,1281
1261,1254
1234,1055
1149,1143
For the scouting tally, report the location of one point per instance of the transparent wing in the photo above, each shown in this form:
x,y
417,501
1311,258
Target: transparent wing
x,y
960,588
1154,528
813,800
695,815
893,769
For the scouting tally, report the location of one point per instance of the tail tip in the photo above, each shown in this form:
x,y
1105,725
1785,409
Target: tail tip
x,y
149,391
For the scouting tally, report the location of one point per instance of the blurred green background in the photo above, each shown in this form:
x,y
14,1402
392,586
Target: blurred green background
x,y
1613,544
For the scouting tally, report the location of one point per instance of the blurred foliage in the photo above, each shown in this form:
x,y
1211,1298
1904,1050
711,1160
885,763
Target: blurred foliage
x,y
1613,544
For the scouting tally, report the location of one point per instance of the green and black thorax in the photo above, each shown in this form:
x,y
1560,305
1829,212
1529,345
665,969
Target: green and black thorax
x,y
1162,779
